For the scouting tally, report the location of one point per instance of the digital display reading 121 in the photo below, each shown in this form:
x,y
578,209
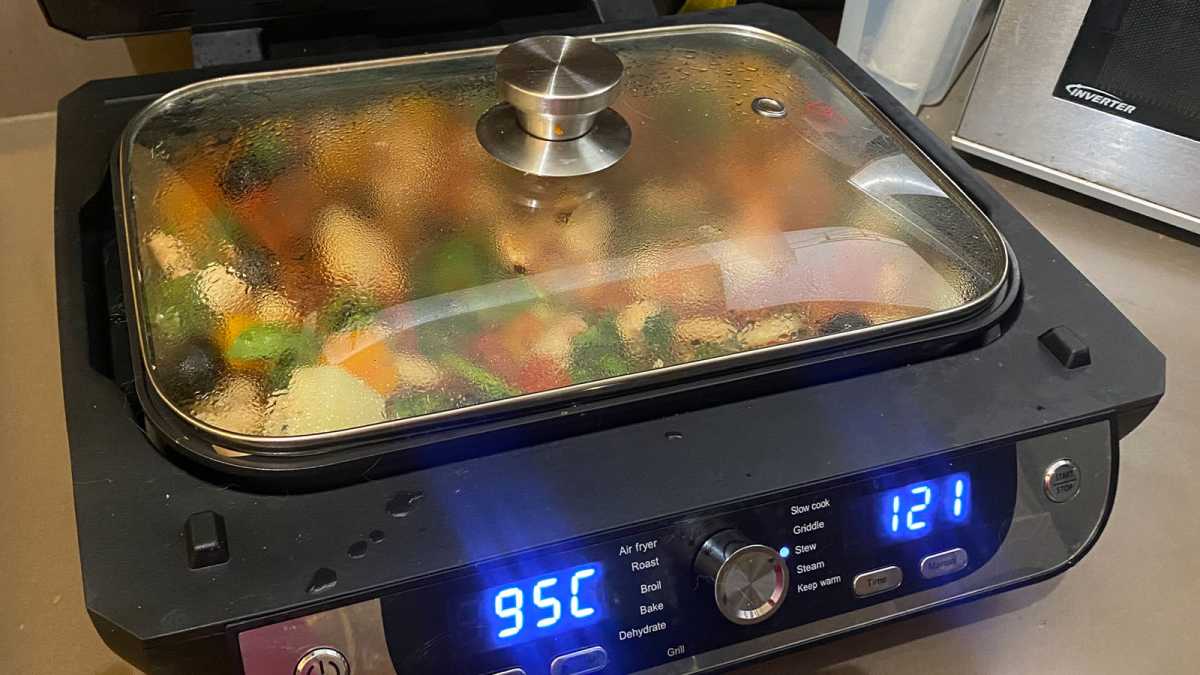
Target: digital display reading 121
x,y
551,603
918,509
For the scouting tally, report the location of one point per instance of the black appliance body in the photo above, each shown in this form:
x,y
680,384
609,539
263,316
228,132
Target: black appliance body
x,y
876,483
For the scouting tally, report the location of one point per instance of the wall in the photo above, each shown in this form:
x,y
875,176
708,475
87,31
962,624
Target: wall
x,y
38,64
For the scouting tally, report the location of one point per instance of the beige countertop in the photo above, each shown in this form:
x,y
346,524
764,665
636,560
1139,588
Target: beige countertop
x,y
1126,608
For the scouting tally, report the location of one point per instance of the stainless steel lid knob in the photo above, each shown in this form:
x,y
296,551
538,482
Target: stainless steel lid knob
x,y
554,119
557,84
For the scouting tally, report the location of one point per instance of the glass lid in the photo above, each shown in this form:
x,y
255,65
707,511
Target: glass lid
x,y
322,252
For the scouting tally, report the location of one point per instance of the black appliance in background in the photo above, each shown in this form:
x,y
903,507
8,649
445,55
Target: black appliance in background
x,y
1014,412
229,31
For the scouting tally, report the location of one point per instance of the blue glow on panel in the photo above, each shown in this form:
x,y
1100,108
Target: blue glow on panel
x,y
547,604
918,509
784,551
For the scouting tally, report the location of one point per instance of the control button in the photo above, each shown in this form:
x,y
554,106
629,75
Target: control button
x,y
1061,481
750,581
946,562
323,661
590,660
878,581
511,671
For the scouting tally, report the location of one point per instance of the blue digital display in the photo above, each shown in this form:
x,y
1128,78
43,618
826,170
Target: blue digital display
x,y
919,509
532,608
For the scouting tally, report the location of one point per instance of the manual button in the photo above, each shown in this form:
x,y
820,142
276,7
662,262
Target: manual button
x,y
877,581
590,660
946,562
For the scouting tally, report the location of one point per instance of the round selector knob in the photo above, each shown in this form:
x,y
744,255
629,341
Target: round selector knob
x,y
558,85
750,580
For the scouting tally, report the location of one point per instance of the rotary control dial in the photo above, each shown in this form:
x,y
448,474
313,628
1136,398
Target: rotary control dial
x,y
750,581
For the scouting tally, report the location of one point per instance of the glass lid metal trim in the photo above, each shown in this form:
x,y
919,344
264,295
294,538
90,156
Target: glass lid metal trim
x,y
318,442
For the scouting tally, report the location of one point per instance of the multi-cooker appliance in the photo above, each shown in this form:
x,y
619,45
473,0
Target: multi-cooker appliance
x,y
652,346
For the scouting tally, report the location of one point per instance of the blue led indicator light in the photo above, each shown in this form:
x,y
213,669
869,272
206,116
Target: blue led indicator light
x,y
784,551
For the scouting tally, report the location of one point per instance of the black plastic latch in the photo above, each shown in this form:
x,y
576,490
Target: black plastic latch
x,y
1066,346
206,541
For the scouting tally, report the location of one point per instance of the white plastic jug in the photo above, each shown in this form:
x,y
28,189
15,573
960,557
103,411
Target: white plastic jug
x,y
915,48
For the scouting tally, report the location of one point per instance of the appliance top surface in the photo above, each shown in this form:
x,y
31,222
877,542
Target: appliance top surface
x,y
585,484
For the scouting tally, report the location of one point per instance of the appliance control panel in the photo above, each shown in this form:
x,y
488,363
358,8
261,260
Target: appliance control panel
x,y
711,587
712,579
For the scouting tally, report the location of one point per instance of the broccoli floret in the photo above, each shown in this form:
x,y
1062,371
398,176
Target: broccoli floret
x,y
176,310
659,330
349,311
598,353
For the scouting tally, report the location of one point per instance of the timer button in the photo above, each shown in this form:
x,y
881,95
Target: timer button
x,y
750,581
878,581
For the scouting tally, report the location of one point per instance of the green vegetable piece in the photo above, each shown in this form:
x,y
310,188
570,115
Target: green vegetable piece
x,y
175,309
599,352
280,374
659,330
488,384
282,347
259,161
417,405
276,343
457,264
709,350
224,228
348,311
271,149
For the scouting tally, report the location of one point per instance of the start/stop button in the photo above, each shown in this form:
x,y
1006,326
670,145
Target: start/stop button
x,y
1061,481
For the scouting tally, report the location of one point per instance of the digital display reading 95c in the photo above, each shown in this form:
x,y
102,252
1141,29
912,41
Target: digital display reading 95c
x,y
551,603
922,508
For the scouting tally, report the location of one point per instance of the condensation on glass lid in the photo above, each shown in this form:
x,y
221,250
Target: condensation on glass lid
x,y
332,249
